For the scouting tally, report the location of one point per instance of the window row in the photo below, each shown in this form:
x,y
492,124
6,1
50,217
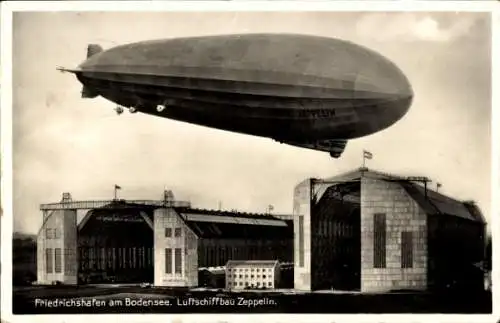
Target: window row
x,y
52,233
177,232
301,241
173,260
251,276
247,284
380,247
53,260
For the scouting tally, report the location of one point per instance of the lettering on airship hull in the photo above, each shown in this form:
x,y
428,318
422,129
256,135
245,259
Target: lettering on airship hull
x,y
320,113
308,91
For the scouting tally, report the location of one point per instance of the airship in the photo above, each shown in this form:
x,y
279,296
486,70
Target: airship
x,y
302,90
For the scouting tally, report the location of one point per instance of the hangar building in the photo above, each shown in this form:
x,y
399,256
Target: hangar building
x,y
211,238
162,242
363,230
376,232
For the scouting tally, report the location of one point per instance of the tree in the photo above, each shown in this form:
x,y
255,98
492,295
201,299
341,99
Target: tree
x,y
488,252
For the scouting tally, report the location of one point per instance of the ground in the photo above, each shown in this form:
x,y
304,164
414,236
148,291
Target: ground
x,y
96,299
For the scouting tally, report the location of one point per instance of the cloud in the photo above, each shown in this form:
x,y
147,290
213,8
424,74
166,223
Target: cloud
x,y
428,29
414,27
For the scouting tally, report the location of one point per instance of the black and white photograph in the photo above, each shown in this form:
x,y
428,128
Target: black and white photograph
x,y
248,162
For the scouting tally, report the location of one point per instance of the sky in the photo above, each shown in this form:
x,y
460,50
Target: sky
x,y
63,143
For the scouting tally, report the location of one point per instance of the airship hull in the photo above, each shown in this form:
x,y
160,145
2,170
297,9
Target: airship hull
x,y
211,81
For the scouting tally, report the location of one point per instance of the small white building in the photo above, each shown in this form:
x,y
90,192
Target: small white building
x,y
252,274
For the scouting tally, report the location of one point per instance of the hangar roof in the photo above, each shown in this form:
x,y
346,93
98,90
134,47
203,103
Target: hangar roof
x,y
210,224
432,202
233,214
437,203
252,263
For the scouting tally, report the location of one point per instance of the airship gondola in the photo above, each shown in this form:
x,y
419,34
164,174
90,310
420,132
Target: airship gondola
x,y
307,91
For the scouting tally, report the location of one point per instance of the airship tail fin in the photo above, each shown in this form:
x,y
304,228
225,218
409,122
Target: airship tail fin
x,y
93,49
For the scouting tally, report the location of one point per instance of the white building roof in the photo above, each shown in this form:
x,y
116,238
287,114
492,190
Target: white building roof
x,y
267,263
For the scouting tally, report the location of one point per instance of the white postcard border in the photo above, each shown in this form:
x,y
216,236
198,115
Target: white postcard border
x,y
6,143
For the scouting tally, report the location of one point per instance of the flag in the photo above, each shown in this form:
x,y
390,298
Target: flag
x,y
439,185
117,187
270,207
367,154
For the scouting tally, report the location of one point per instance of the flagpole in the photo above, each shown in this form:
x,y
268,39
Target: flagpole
x,y
366,155
116,191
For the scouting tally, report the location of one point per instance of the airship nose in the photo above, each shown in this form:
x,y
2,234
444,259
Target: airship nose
x,y
382,80
401,85
387,89
403,93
